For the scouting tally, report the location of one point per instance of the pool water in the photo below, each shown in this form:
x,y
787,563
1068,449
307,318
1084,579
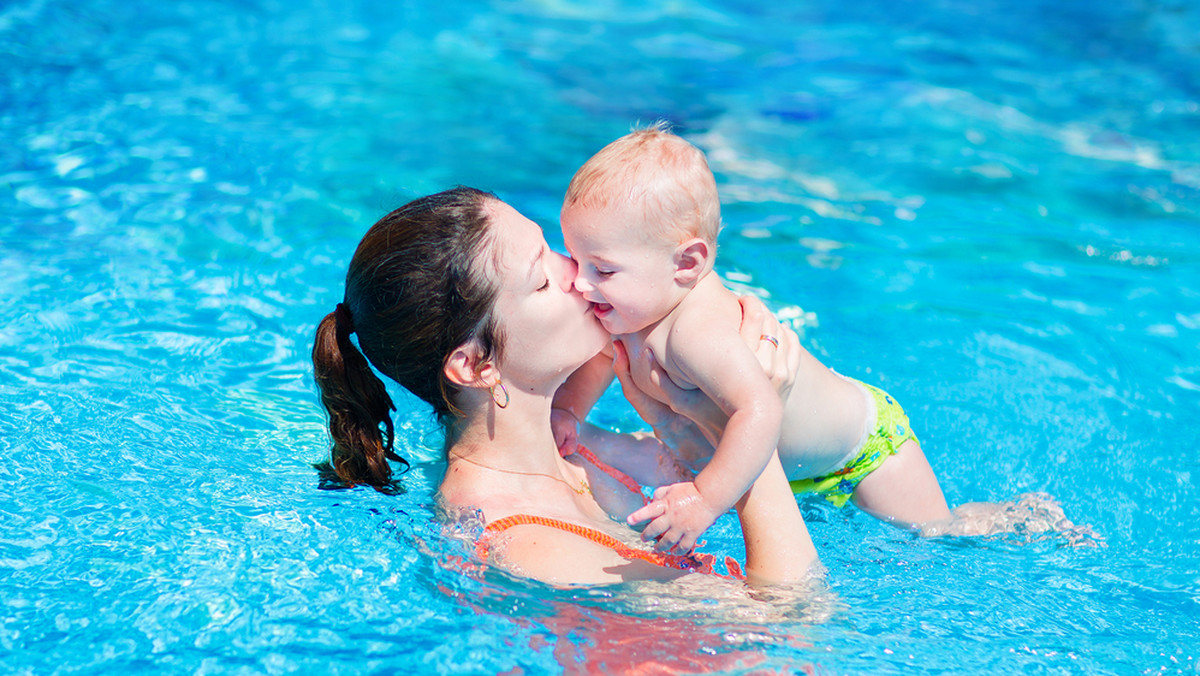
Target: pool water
x,y
991,209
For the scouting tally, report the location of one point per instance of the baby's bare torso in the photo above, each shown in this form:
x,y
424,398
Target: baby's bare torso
x,y
824,416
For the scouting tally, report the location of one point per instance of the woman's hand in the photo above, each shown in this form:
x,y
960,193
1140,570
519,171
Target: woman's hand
x,y
691,423
662,398
779,361
690,444
780,358
648,406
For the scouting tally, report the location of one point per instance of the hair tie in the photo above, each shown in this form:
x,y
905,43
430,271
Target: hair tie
x,y
343,318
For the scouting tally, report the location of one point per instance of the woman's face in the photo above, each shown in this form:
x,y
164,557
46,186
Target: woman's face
x,y
548,328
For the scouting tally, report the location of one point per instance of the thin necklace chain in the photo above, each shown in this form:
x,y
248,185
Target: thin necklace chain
x,y
583,489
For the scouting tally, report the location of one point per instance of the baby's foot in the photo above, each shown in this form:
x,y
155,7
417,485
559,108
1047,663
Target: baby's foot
x,y
1029,514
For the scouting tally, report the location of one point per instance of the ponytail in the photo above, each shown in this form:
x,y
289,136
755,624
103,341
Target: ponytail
x,y
415,291
357,403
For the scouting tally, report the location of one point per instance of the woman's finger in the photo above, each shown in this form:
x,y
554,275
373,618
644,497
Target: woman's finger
x,y
622,367
755,318
776,346
759,331
691,403
793,353
650,410
653,372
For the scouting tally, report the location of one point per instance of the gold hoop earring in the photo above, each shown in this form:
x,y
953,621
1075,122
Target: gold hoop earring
x,y
502,391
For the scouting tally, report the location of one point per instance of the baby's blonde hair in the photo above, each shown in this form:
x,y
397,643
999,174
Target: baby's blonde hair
x,y
658,172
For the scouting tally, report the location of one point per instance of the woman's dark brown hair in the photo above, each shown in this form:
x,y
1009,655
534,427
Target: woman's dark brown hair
x,y
415,291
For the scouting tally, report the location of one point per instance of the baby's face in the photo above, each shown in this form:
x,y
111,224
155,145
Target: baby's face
x,y
626,275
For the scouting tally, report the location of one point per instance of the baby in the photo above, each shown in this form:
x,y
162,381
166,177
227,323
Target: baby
x,y
641,219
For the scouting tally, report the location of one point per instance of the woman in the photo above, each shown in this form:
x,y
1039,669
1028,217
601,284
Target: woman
x,y
458,298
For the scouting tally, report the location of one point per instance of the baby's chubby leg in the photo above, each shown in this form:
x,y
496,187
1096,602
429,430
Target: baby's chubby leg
x,y
903,490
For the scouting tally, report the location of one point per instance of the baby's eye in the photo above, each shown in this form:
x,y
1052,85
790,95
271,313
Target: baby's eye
x,y
545,285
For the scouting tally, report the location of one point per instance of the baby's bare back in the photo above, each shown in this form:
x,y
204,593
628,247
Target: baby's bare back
x,y
824,419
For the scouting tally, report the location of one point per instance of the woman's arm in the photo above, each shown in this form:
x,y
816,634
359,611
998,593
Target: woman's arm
x,y
779,549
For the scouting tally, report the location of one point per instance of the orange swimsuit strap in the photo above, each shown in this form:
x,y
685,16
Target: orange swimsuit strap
x,y
694,562
626,480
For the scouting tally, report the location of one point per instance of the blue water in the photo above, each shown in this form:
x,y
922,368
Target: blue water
x,y
990,208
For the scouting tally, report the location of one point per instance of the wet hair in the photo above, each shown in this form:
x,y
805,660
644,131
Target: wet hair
x,y
415,291
661,174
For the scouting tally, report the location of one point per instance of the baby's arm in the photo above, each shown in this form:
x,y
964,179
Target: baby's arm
x,y
721,365
576,397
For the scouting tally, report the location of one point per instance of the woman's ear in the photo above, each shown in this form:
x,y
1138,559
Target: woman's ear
x,y
692,259
464,369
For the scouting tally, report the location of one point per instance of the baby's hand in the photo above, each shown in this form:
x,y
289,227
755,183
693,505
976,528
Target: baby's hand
x,y
566,430
678,515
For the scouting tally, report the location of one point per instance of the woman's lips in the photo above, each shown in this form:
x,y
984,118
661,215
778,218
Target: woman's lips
x,y
601,309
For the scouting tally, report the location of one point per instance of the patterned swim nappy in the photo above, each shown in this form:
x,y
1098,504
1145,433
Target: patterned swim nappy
x,y
891,430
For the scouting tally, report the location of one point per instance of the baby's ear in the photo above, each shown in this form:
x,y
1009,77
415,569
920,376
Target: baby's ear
x,y
692,259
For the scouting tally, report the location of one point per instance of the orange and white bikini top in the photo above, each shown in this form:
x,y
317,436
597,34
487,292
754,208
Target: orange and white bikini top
x,y
694,562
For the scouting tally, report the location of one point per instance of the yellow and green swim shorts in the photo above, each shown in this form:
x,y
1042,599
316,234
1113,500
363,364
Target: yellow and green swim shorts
x,y
891,430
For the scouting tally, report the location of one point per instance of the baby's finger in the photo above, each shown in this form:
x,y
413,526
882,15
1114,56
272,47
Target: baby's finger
x,y
568,446
681,545
656,529
652,510
668,540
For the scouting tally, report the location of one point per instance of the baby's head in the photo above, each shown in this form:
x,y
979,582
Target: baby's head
x,y
641,218
653,174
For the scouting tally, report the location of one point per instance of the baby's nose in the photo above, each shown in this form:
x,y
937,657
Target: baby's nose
x,y
581,284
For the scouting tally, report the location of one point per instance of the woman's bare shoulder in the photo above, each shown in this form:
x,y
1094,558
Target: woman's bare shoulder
x,y
561,557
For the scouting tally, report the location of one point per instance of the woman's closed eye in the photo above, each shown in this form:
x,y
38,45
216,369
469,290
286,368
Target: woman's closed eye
x,y
604,274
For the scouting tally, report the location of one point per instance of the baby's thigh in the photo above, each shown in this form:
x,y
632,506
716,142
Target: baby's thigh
x,y
903,490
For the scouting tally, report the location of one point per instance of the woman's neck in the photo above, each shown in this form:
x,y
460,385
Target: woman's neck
x,y
516,438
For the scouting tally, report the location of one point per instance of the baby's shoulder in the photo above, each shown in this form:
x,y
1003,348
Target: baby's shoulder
x,y
711,302
700,341
708,318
